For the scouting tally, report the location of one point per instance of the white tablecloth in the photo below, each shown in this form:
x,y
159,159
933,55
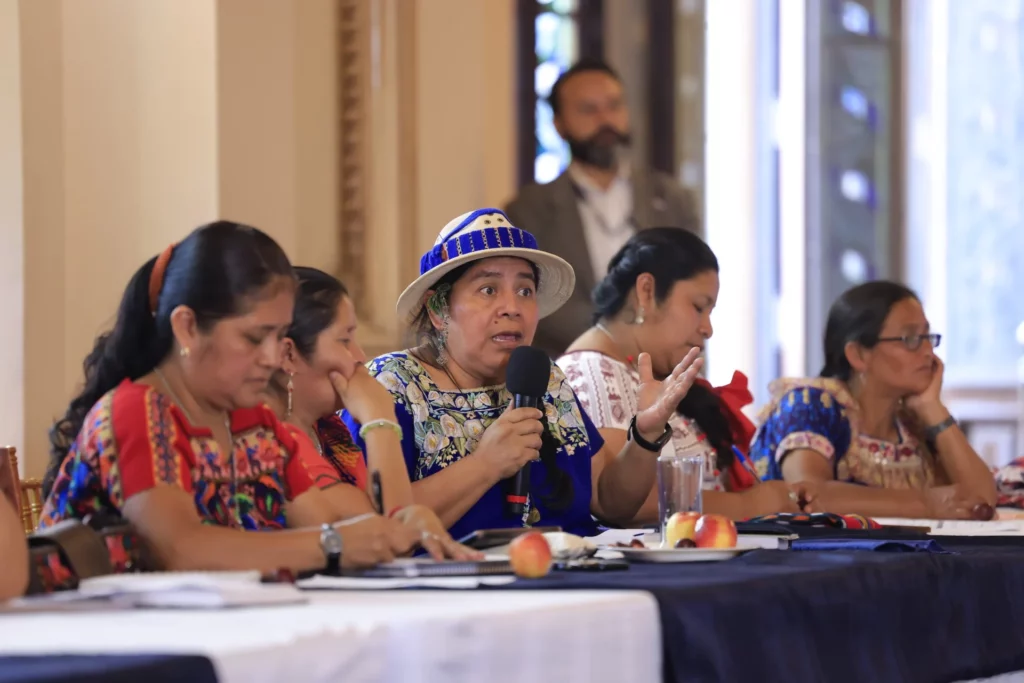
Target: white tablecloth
x,y
407,636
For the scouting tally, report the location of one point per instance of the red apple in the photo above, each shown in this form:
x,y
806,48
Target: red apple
x,y
530,555
679,526
715,531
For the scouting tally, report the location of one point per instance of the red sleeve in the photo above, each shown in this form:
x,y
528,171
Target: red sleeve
x,y
307,464
151,446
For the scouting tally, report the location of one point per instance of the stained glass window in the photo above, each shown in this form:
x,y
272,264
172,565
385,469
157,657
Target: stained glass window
x,y
556,46
853,118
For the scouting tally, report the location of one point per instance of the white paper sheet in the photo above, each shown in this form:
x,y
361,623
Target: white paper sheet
x,y
952,527
613,536
610,537
168,590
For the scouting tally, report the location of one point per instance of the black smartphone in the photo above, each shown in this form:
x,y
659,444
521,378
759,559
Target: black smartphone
x,y
482,539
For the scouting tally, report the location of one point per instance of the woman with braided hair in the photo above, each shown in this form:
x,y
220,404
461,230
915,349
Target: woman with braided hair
x,y
657,297
170,430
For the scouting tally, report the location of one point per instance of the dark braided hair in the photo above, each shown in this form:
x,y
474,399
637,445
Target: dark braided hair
x,y
858,315
670,255
213,271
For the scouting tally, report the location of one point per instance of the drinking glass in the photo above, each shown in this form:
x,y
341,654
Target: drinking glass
x,y
680,480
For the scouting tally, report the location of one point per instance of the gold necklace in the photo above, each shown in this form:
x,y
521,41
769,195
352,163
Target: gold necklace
x,y
227,426
311,433
630,360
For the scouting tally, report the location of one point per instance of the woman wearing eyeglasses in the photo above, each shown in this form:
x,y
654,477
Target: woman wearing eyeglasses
x,y
870,435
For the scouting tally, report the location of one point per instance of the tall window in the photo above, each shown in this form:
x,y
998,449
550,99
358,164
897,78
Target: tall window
x,y
965,241
553,34
853,152
966,246
556,46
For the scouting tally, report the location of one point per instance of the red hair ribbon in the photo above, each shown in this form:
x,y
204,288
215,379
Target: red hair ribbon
x,y
734,396
156,277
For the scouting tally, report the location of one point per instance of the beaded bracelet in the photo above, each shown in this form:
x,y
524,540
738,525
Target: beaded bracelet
x,y
377,424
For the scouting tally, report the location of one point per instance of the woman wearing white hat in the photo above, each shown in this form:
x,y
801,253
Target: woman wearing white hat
x,y
481,291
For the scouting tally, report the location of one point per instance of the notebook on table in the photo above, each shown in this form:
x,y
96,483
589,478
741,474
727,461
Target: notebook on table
x,y
421,567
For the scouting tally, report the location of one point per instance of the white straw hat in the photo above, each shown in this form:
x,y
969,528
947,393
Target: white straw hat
x,y
481,234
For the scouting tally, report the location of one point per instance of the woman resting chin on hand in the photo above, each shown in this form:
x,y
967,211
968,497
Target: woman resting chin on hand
x,y
322,372
871,435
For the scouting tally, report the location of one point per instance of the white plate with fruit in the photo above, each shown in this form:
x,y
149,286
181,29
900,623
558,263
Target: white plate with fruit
x,y
690,537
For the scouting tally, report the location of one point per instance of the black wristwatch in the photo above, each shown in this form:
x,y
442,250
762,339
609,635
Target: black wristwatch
x,y
330,543
655,446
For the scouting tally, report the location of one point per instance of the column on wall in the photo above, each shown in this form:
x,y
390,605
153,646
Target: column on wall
x,y
119,158
141,121
731,181
12,274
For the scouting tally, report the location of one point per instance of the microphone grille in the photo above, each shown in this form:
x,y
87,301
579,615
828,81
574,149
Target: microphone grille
x,y
529,370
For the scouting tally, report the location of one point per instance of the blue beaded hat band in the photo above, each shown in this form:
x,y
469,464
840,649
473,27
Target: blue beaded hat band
x,y
481,234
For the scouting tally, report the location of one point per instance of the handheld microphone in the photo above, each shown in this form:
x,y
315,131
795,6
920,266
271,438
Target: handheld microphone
x,y
529,370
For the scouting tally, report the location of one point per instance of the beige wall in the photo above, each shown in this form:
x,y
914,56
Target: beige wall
x,y
465,109
120,160
42,106
145,119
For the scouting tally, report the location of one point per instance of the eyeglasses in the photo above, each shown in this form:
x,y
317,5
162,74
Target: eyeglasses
x,y
913,341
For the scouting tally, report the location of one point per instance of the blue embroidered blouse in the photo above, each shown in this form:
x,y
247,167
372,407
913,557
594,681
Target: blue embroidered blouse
x,y
819,414
442,427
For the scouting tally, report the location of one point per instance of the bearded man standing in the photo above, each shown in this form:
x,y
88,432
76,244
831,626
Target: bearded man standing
x,y
591,210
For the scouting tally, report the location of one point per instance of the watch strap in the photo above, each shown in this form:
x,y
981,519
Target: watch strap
x,y
656,445
332,555
932,433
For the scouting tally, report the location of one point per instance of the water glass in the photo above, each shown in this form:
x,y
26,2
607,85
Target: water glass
x,y
680,485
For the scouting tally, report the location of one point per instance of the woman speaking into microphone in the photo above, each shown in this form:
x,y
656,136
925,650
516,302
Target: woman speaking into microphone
x,y
481,291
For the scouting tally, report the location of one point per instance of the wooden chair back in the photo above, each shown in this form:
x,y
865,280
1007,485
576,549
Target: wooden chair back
x,y
26,496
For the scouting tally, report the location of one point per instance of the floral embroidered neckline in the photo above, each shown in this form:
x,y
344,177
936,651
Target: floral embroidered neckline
x,y
421,369
841,392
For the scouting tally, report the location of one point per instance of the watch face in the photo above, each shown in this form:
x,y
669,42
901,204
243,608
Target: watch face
x,y
330,540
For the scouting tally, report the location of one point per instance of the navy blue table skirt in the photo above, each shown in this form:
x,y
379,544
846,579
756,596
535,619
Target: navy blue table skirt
x,y
831,617
107,669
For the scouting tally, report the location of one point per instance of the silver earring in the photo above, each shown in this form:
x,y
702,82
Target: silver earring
x,y
184,352
639,320
291,390
441,345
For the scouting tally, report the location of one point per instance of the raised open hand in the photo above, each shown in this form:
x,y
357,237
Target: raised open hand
x,y
657,400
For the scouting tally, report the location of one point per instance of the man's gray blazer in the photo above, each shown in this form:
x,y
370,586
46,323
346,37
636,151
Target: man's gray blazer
x,y
551,213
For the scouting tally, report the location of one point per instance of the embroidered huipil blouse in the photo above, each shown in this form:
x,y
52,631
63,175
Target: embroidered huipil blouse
x,y
819,414
441,427
136,438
